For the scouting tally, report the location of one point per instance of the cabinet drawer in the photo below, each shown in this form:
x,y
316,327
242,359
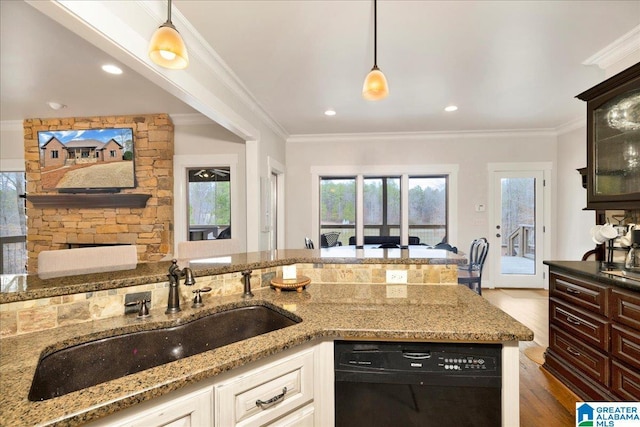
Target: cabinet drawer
x,y
625,382
591,296
591,328
625,345
280,388
579,355
625,308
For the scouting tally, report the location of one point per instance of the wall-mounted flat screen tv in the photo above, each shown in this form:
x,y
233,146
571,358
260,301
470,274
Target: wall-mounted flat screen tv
x,y
91,160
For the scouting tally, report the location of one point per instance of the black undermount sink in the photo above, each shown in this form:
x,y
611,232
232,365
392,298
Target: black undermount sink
x,y
84,365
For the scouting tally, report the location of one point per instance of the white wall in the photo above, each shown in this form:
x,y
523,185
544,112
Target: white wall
x,y
471,152
573,238
11,146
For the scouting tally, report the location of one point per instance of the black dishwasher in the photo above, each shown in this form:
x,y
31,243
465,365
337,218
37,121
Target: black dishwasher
x,y
417,384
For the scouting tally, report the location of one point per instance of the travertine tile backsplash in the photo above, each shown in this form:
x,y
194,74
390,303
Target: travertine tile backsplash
x,y
46,313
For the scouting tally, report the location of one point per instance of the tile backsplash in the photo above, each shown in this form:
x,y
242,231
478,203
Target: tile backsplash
x,y
22,317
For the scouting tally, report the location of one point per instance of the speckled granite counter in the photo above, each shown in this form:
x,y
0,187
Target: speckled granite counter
x,y
440,313
22,288
596,270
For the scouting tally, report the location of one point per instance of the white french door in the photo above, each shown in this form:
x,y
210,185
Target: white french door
x,y
517,238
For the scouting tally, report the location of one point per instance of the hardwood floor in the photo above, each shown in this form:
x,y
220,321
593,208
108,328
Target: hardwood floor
x,y
544,401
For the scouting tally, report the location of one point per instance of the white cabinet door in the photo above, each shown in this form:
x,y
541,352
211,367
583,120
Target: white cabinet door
x,y
302,417
266,393
191,410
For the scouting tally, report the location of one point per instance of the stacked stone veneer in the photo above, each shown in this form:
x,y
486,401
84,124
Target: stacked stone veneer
x,y
149,228
46,313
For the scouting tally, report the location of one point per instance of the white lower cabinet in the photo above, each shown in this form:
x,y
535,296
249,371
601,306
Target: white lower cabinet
x,y
292,388
193,409
267,393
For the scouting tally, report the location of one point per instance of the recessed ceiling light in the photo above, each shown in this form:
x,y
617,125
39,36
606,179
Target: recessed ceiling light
x,y
56,105
330,112
111,69
450,108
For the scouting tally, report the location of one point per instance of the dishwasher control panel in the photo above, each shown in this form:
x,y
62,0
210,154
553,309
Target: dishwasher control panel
x,y
445,358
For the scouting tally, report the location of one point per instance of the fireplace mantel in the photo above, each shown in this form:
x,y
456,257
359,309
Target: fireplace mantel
x,y
89,201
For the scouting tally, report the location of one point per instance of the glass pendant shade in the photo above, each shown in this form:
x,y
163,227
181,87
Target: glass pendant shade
x,y
167,48
375,85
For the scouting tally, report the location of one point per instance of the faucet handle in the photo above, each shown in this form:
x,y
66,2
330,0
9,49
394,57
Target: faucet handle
x,y
197,300
144,311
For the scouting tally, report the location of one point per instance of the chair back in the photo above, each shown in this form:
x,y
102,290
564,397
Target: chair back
x,y
478,254
329,240
308,243
446,247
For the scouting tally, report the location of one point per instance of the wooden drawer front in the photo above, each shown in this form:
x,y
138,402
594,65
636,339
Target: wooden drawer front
x,y
625,308
581,356
625,345
236,401
589,327
584,294
625,382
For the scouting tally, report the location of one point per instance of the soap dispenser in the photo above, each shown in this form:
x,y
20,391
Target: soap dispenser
x,y
632,262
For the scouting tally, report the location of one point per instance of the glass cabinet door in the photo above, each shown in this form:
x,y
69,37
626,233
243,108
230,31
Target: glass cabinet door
x,y
617,146
613,141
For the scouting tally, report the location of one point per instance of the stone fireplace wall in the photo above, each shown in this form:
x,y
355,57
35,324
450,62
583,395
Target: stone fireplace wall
x,y
149,228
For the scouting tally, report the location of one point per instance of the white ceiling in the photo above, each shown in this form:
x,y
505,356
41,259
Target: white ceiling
x,y
508,65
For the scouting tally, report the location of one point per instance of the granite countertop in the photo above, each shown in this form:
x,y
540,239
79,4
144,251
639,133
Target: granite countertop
x,y
28,287
597,270
349,311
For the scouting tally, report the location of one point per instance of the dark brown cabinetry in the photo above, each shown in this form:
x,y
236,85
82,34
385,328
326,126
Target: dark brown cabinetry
x,y
594,337
613,142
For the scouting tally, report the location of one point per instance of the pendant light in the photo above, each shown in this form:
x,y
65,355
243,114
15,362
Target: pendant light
x,y
167,48
375,85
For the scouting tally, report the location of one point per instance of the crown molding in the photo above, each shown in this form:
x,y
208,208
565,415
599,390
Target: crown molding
x,y
413,136
578,123
616,51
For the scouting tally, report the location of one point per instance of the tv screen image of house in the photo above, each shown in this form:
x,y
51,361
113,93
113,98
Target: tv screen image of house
x,y
91,159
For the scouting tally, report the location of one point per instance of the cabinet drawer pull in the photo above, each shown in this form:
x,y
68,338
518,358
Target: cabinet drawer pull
x,y
264,404
573,291
573,321
573,352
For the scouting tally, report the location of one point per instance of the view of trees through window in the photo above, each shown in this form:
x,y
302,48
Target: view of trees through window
x,y
13,229
209,203
381,201
518,216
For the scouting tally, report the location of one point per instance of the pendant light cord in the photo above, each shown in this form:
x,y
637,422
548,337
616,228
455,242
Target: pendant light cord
x,y
169,12
375,33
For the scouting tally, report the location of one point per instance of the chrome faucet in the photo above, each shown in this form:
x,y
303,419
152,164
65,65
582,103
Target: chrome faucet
x,y
173,305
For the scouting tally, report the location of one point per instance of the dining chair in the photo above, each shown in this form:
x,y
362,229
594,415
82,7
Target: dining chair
x,y
330,239
308,243
470,274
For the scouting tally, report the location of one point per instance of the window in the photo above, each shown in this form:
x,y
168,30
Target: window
x,y
338,207
428,208
112,153
13,229
54,154
381,198
209,203
382,206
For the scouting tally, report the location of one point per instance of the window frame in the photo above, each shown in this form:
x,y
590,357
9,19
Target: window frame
x,y
404,172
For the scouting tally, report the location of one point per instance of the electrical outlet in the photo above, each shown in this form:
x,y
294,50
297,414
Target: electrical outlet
x,y
396,276
396,291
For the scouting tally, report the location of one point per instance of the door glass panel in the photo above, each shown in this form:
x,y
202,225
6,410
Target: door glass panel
x,y
518,213
13,229
209,203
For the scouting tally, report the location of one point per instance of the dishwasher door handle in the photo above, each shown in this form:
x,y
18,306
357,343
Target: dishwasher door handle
x,y
414,355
